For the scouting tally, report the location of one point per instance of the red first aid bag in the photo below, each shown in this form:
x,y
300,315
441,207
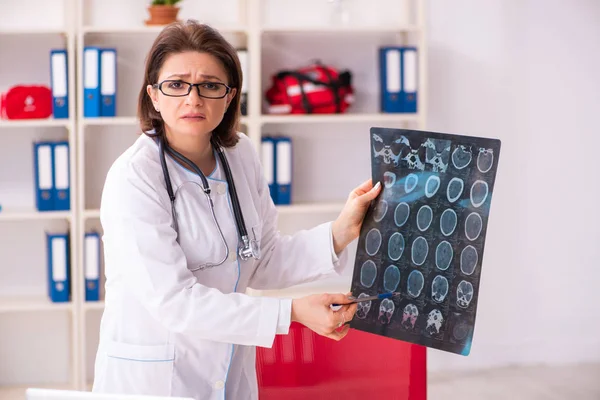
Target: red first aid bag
x,y
316,89
26,102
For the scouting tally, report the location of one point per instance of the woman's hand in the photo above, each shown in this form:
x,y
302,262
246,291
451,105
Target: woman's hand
x,y
315,313
346,227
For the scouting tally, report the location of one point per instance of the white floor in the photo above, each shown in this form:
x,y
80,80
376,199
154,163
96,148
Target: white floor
x,y
578,382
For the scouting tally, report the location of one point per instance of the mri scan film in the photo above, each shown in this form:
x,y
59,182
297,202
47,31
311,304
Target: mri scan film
x,y
424,236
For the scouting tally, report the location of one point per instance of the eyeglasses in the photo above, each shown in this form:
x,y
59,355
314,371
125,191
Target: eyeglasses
x,y
178,88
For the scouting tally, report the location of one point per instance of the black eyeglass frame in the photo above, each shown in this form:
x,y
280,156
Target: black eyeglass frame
x,y
190,86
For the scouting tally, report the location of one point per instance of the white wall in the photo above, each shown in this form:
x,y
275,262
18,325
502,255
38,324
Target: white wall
x,y
527,73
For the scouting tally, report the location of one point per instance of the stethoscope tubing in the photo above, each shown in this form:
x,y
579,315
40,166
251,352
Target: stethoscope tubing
x,y
239,218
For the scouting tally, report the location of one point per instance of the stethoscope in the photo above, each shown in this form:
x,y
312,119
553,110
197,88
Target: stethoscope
x,y
248,247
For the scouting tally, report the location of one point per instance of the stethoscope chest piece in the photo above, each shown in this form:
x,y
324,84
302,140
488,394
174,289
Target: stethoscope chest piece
x,y
249,249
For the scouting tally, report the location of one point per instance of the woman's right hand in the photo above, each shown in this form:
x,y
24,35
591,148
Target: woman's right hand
x,y
315,313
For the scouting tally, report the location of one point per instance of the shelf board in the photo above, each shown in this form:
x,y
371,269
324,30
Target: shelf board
x,y
34,123
32,215
102,121
31,303
33,31
142,29
338,118
342,29
91,214
93,305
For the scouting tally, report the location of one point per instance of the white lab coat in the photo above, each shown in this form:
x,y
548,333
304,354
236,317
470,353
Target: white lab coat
x,y
172,332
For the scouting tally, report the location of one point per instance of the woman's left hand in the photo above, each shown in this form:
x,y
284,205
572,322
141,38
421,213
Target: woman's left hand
x,y
346,227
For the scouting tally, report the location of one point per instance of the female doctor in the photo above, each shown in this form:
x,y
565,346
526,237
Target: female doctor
x,y
189,224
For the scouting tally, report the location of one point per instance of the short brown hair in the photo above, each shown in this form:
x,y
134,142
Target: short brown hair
x,y
190,35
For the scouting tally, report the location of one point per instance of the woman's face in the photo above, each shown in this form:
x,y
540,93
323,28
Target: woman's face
x,y
191,114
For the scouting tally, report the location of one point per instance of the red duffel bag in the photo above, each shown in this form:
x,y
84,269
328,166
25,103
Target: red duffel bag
x,y
26,102
315,89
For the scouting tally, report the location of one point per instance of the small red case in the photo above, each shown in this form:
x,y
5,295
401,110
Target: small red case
x,y
26,102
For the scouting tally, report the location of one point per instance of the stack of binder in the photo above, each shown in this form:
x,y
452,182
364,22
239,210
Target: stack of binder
x,y
52,175
59,275
398,79
59,83
276,158
99,82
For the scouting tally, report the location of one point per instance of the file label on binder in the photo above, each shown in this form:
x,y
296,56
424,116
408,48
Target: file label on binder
x,y
44,179
91,82
409,77
92,267
62,198
268,163
392,60
108,82
59,83
283,174
58,268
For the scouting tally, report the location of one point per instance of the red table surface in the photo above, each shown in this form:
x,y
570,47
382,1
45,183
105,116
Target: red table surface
x,y
304,365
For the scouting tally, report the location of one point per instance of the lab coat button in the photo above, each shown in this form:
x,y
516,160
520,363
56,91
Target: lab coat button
x,y
219,385
221,188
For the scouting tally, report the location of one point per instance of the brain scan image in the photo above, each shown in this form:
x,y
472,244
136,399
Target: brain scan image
x,y
464,294
468,260
479,192
373,241
461,156
455,189
391,278
362,307
448,222
411,182
401,214
395,246
420,249
473,226
443,255
368,273
432,186
386,310
424,218
425,236
380,210
409,316
435,319
439,288
485,160
415,283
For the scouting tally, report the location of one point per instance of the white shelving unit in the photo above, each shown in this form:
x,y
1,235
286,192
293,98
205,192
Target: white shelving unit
x,y
330,151
38,338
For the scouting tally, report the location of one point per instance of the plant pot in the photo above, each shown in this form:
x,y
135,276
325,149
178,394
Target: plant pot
x,y
162,15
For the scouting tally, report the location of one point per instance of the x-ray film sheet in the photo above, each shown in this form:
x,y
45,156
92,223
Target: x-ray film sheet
x,y
424,236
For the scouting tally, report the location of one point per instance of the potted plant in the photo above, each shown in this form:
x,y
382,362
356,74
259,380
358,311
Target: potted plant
x,y
162,12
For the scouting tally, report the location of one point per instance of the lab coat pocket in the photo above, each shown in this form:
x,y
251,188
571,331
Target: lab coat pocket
x,y
140,369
